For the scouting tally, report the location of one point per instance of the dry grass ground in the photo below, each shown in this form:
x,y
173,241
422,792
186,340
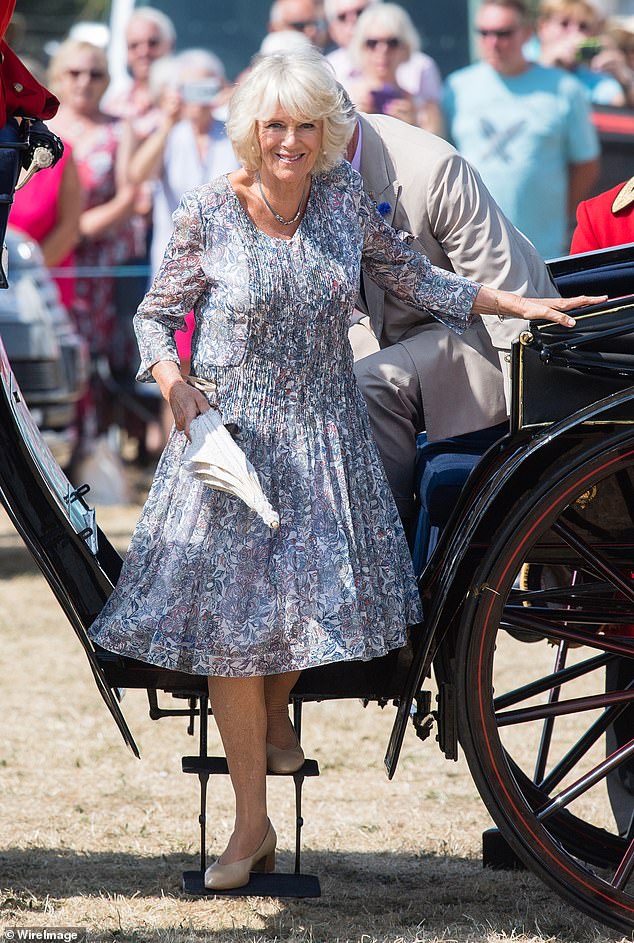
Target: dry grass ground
x,y
92,837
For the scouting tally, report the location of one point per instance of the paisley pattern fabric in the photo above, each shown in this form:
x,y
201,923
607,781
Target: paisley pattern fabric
x,y
206,587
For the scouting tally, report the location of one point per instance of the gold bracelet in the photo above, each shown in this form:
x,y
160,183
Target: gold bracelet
x,y
496,302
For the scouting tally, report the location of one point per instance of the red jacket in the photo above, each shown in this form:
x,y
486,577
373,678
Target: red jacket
x,y
5,17
20,93
598,227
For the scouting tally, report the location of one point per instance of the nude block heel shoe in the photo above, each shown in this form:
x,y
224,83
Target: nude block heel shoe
x,y
225,877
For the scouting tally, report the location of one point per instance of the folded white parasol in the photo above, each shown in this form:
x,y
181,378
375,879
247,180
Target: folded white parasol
x,y
213,457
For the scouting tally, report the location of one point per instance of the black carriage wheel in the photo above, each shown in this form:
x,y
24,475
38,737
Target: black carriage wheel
x,y
545,665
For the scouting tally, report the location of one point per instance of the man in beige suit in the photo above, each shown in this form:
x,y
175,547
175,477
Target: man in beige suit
x,y
415,373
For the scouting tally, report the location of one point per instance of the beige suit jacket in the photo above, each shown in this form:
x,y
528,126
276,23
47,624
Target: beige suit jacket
x,y
445,211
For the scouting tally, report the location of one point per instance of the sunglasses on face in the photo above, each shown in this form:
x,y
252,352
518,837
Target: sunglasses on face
x,y
301,25
581,25
497,33
152,43
349,15
95,75
392,43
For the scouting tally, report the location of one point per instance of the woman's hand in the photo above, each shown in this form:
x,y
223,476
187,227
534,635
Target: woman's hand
x,y
185,401
402,108
507,304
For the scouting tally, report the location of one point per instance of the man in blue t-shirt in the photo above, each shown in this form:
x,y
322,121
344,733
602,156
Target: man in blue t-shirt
x,y
525,127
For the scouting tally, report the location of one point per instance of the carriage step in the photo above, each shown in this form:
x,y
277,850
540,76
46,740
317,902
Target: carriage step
x,y
260,885
498,854
217,765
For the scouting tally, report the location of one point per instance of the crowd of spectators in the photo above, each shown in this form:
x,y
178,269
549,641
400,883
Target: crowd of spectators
x,y
521,115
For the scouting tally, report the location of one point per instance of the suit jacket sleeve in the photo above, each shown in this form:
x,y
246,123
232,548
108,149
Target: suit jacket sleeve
x,y
480,242
409,275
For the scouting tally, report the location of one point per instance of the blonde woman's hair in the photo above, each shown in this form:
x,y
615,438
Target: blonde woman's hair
x,y
65,53
585,8
390,17
303,84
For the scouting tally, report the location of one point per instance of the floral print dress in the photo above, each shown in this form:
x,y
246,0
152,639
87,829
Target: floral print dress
x,y
206,586
94,309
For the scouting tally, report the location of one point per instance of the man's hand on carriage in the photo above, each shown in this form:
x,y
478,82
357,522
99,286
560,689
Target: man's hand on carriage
x,y
506,304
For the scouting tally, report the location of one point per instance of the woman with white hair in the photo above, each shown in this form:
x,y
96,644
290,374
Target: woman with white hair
x,y
392,75
270,258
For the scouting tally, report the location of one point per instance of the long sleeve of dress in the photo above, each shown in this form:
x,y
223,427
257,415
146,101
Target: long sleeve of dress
x,y
178,285
410,276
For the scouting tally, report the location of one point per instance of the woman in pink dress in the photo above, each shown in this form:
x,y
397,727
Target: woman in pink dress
x,y
48,210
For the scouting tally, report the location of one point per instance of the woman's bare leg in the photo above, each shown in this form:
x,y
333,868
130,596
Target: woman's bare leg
x,y
240,711
279,730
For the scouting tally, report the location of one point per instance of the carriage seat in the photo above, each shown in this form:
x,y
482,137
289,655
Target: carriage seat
x,y
442,468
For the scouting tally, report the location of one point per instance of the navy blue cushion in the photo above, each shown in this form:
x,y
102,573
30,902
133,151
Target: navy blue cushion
x,y
442,469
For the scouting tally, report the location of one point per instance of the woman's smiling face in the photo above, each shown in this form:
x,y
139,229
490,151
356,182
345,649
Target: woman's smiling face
x,y
83,81
289,147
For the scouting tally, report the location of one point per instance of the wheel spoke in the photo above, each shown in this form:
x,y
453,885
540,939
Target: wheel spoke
x,y
547,731
580,748
592,556
589,779
563,594
519,620
625,868
560,708
541,685
603,616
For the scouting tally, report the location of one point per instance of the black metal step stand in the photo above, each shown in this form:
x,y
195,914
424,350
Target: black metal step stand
x,y
277,884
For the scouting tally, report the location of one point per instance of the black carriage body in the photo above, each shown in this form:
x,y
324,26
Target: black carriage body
x,y
556,491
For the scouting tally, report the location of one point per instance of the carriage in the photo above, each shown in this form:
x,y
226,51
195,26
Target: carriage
x,y
525,555
525,552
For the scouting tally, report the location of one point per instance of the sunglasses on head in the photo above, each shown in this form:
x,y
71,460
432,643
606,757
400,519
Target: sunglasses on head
x,y
93,74
498,33
152,43
392,43
350,14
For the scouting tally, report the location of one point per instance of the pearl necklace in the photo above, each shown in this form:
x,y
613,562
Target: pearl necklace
x,y
280,219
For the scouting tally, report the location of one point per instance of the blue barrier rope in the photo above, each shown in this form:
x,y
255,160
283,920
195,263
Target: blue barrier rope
x,y
100,271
